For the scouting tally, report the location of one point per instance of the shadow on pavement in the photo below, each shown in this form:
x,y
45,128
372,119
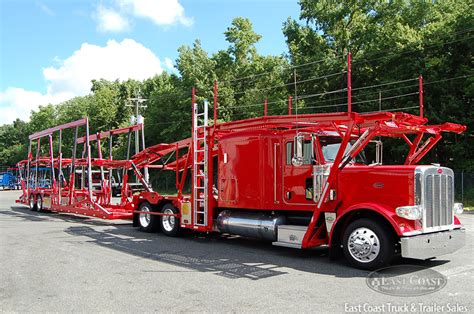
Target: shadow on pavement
x,y
25,213
223,255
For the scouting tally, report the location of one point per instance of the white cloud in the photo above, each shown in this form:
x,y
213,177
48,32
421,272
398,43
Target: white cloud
x,y
18,103
72,77
161,12
169,64
45,8
110,20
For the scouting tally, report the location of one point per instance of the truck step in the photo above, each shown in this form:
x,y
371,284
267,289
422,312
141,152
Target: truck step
x,y
286,244
290,236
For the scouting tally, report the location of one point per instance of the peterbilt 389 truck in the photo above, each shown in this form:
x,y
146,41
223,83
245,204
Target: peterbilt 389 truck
x,y
304,181
297,180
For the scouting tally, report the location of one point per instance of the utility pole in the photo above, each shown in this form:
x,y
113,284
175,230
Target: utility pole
x,y
137,102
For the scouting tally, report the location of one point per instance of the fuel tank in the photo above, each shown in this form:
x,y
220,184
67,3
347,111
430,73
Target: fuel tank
x,y
250,224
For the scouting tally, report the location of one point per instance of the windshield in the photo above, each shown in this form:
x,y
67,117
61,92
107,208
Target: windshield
x,y
330,147
330,151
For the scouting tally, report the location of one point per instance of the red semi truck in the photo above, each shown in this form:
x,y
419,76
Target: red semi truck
x,y
303,181
297,180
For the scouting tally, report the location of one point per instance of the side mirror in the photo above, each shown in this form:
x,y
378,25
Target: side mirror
x,y
298,153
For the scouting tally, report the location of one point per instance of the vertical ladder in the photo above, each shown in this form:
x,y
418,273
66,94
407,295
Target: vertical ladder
x,y
200,165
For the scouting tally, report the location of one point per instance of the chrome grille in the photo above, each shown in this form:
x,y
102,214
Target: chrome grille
x,y
437,189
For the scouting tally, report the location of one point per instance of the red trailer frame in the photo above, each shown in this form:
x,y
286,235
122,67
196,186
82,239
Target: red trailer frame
x,y
63,195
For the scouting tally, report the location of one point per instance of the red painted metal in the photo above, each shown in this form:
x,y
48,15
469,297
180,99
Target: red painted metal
x,y
83,199
290,105
215,102
57,128
104,134
420,91
349,84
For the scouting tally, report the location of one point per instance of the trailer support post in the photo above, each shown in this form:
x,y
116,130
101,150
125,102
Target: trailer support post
x,y
89,168
73,167
215,103
420,83
60,166
349,84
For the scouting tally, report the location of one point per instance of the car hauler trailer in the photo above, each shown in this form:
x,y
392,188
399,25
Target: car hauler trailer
x,y
76,185
297,180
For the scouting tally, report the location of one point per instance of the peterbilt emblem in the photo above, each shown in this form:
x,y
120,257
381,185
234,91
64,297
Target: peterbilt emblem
x,y
293,237
440,171
330,219
378,185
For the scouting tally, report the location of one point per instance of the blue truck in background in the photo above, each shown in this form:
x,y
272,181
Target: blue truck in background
x,y
9,180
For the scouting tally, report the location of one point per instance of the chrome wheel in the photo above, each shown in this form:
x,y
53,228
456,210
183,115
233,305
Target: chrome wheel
x,y
168,222
144,218
363,245
32,202
39,203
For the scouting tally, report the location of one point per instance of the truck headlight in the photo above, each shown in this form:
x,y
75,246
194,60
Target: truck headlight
x,y
410,212
458,208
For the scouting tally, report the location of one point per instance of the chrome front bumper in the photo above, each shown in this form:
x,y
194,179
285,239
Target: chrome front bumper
x,y
431,245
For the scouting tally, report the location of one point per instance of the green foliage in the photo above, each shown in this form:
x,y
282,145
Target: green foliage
x,y
389,41
392,41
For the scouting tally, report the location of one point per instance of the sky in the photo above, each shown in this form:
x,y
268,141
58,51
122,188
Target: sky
x,y
50,50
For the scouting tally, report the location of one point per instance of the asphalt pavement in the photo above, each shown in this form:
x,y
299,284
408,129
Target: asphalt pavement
x,y
63,263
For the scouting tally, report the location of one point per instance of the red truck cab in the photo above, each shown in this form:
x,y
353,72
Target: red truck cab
x,y
305,181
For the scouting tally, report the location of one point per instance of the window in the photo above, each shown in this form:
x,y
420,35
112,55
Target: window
x,y
330,147
307,153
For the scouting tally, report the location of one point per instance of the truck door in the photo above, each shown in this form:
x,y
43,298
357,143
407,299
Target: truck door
x,y
297,180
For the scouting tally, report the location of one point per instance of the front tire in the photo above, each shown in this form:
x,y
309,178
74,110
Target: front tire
x,y
367,245
147,222
169,224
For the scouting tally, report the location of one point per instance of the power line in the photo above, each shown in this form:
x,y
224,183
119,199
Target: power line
x,y
392,109
336,105
289,67
384,84
325,106
407,52
385,90
292,83
254,105
385,98
448,79
322,94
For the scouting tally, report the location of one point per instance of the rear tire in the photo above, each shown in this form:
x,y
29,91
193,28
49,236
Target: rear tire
x,y
147,222
367,245
32,203
39,204
169,224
